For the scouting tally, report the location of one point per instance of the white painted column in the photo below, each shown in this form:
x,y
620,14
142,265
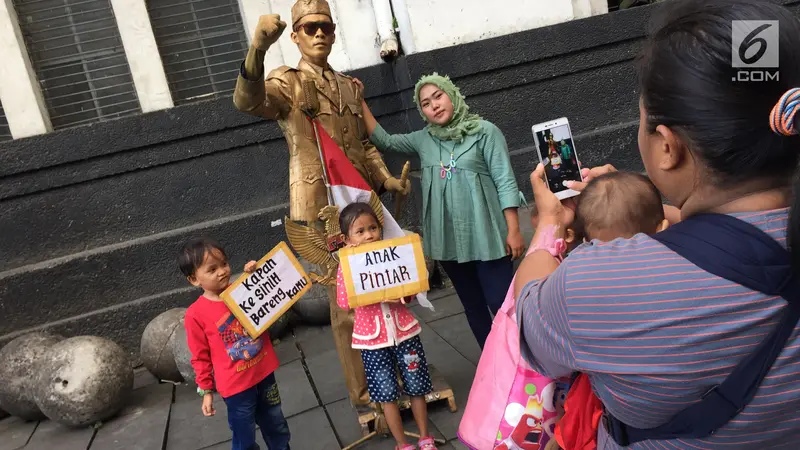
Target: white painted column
x,y
253,9
588,8
22,99
439,24
599,7
357,33
142,53
383,18
581,8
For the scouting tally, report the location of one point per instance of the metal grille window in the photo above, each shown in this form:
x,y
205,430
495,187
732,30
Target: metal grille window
x,y
77,53
202,44
5,132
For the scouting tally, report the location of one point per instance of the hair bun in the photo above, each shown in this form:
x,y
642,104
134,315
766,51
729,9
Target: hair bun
x,y
781,119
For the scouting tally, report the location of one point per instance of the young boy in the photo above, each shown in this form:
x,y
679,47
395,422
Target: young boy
x,y
225,358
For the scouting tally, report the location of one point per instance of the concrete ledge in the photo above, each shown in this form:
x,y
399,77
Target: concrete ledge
x,y
115,275
147,157
141,203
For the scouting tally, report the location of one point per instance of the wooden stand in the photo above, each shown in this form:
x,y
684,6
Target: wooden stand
x,y
373,414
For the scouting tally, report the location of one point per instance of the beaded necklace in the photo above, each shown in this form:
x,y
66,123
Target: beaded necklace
x,y
449,169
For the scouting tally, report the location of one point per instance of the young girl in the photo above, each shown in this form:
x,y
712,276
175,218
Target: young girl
x,y
388,336
469,196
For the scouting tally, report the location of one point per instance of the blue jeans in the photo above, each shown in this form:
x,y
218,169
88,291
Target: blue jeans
x,y
261,404
481,286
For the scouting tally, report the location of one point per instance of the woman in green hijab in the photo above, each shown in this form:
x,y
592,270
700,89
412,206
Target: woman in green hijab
x,y
469,196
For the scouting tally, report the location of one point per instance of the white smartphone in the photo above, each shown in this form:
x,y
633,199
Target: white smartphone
x,y
556,150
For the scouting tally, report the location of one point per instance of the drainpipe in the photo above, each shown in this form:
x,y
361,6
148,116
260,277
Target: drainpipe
x,y
404,25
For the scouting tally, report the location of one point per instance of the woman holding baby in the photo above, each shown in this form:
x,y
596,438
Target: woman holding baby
x,y
653,331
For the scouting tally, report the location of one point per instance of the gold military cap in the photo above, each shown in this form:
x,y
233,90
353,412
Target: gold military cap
x,y
303,8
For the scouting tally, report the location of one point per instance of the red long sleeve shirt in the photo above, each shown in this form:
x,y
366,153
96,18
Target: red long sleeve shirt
x,y
224,357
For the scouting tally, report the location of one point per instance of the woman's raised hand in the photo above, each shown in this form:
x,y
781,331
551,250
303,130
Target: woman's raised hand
x,y
358,83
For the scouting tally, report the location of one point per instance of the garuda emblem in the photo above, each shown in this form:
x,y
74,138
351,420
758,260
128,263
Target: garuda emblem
x,y
318,247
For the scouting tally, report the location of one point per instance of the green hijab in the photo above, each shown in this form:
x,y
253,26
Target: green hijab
x,y
462,123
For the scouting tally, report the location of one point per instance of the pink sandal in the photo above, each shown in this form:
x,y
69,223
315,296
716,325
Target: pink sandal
x,y
427,443
405,447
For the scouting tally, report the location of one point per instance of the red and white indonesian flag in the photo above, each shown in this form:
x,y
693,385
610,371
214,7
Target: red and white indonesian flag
x,y
348,186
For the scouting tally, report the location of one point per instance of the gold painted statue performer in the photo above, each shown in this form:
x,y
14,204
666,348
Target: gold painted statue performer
x,y
288,95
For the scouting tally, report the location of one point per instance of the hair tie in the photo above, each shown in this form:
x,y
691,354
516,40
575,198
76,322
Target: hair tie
x,y
781,119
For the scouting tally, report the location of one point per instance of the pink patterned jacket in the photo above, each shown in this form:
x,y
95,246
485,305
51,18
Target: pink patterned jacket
x,y
379,325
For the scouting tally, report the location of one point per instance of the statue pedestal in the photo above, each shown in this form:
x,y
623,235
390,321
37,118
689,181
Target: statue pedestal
x,y
372,414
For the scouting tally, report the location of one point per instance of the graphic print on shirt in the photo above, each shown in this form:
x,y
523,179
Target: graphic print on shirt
x,y
238,344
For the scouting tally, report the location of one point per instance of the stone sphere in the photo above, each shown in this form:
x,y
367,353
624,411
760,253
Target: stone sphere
x,y
155,349
183,357
83,380
19,361
314,308
294,318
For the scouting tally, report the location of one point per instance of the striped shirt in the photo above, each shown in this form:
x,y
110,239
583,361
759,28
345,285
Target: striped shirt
x,y
654,332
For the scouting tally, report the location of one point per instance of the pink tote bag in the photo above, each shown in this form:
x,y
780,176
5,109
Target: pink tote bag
x,y
510,406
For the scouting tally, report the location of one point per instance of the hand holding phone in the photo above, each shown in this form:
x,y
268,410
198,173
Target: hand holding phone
x,y
556,149
549,207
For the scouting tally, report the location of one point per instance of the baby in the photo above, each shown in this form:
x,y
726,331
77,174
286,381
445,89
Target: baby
x,y
614,205
618,205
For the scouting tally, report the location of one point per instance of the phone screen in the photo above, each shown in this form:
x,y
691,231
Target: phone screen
x,y
558,156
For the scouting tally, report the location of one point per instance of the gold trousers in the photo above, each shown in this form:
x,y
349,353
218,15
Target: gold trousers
x,y
353,367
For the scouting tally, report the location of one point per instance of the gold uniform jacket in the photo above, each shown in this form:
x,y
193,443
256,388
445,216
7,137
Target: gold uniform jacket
x,y
281,97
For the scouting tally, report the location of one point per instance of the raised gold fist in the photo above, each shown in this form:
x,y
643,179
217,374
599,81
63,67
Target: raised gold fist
x,y
269,29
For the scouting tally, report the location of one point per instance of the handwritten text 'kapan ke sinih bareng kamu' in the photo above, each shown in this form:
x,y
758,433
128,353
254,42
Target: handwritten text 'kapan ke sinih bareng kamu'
x,y
264,284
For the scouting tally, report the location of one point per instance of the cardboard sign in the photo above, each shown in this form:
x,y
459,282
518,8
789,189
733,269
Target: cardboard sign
x,y
258,299
384,270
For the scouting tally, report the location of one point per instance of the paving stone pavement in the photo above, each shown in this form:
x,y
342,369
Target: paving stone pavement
x,y
165,417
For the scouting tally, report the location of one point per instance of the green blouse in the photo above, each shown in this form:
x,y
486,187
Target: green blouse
x,y
462,217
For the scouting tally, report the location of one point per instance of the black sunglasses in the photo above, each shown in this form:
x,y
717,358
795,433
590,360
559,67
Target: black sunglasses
x,y
311,28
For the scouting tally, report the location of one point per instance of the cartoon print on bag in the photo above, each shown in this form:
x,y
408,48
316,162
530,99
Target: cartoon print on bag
x,y
525,436
529,432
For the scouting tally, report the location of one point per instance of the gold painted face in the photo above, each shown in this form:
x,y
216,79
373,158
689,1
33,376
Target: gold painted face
x,y
314,35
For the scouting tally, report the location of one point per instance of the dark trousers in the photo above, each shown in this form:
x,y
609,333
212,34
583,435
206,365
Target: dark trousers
x,y
481,286
261,404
